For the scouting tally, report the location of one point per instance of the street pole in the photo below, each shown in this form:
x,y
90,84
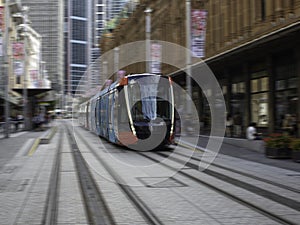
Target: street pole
x,y
148,39
6,70
188,56
25,94
116,62
104,75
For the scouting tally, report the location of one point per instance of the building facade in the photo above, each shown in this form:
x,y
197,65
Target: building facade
x,y
252,47
47,19
22,65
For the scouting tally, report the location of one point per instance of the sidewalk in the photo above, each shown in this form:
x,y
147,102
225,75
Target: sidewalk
x,y
246,153
19,143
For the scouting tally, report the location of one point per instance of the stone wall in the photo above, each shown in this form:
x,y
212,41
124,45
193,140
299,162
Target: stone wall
x,y
231,23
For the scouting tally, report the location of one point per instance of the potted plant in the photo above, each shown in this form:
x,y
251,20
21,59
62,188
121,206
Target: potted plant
x,y
295,147
277,146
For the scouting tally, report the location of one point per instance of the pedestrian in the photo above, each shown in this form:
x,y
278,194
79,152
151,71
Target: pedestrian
x,y
251,132
36,122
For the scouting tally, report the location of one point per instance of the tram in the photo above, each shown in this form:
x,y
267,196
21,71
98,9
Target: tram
x,y
137,111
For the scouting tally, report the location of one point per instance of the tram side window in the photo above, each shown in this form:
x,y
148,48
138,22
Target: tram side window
x,y
103,111
110,105
123,115
98,117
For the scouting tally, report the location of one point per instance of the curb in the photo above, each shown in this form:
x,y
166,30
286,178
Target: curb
x,y
45,139
34,146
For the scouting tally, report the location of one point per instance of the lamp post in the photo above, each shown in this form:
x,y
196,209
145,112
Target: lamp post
x,y
116,62
5,69
148,37
25,93
188,55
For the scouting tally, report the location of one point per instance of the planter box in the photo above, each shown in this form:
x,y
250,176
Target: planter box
x,y
278,153
296,156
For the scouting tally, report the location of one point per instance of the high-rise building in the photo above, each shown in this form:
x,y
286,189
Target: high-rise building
x,y
78,43
100,18
114,7
46,18
84,23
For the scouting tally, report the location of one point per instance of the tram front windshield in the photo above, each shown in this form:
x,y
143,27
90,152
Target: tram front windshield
x,y
150,98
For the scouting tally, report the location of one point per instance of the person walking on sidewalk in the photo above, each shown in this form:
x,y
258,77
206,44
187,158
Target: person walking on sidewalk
x,y
251,132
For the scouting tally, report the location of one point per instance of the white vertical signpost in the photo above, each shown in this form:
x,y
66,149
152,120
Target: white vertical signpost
x,y
148,37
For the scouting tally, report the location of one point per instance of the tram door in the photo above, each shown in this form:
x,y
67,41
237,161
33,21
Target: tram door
x,y
111,117
115,115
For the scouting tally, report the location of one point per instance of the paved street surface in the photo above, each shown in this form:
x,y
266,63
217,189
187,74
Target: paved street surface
x,y
26,170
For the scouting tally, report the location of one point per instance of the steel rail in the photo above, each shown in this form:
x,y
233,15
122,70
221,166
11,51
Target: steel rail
x,y
98,212
227,194
142,207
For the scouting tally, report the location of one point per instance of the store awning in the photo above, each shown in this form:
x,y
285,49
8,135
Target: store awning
x,y
32,91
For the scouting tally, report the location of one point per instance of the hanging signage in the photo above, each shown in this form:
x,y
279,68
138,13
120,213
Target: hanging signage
x,y
156,58
18,67
18,50
2,29
198,32
34,81
18,59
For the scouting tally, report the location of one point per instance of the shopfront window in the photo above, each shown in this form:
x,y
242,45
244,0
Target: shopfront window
x,y
238,108
286,84
259,98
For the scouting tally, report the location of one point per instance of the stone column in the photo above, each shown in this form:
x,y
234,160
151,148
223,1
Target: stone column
x,y
271,96
233,19
270,13
297,54
246,17
225,5
278,9
248,93
240,21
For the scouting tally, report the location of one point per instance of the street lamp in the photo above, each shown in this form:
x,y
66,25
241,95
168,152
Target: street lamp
x,y
25,10
188,56
5,68
148,37
116,62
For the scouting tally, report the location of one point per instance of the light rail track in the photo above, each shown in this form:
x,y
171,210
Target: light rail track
x,y
254,207
97,210
280,185
214,184
142,207
257,190
51,209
